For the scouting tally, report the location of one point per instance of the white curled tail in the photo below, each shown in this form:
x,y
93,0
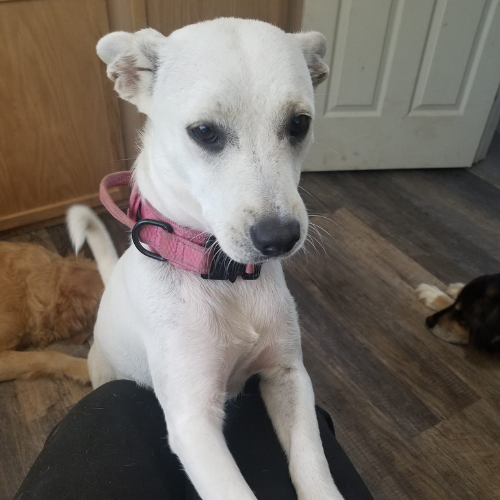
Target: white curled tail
x,y
84,224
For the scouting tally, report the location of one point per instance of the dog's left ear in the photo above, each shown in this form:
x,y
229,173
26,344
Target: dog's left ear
x,y
313,45
132,60
485,330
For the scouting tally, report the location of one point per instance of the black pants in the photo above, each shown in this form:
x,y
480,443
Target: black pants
x,y
112,446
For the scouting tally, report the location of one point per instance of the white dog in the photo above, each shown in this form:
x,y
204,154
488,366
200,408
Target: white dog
x,y
229,104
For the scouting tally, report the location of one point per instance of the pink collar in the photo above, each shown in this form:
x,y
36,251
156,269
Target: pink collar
x,y
182,247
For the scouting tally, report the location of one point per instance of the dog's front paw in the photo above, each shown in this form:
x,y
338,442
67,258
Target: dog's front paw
x,y
321,490
454,289
431,296
78,371
334,495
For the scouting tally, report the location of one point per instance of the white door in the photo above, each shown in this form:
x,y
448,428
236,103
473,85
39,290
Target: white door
x,y
411,82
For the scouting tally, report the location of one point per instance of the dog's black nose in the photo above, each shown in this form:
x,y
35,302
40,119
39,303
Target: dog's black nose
x,y
273,237
430,322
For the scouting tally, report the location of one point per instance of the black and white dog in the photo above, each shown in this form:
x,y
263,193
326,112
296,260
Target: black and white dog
x,y
466,314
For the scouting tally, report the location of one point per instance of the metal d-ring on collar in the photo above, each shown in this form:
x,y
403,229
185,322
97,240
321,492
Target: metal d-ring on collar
x,y
137,241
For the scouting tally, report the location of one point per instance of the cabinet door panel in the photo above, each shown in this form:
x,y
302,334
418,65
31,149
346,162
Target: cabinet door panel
x,y
168,16
60,130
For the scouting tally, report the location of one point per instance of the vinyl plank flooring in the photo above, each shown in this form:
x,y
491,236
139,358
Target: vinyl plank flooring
x,y
41,237
387,461
378,201
364,266
38,398
17,447
360,316
458,208
464,448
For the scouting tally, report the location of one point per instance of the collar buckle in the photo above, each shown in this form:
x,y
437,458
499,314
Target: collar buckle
x,y
224,268
254,275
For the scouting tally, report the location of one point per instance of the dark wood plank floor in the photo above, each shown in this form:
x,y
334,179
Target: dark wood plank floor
x,y
419,418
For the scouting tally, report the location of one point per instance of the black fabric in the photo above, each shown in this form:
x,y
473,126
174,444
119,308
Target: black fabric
x,y
112,446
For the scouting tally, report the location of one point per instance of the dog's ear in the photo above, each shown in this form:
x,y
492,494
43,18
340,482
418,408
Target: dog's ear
x,y
485,329
313,45
132,60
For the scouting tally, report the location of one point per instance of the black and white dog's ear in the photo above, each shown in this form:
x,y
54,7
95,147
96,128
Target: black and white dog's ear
x,y
132,60
485,330
313,45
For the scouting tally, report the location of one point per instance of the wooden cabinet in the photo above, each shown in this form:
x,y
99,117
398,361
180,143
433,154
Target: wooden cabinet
x,y
166,16
61,125
60,129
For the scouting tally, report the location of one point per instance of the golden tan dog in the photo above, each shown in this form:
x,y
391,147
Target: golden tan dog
x,y
45,297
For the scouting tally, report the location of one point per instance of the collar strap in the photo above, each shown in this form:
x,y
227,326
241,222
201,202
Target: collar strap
x,y
182,247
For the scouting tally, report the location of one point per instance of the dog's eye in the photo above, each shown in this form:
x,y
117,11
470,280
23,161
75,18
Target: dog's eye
x,y
299,125
204,133
459,317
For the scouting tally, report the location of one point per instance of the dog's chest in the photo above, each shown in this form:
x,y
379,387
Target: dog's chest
x,y
251,322
244,361
231,329
244,322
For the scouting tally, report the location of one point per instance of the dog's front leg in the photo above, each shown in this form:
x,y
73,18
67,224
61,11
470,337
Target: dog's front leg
x,y
193,403
289,398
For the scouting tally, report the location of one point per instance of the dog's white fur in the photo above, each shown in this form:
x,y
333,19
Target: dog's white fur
x,y
84,224
428,294
196,342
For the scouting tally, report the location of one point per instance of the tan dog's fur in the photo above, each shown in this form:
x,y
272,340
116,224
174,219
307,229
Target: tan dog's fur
x,y
43,298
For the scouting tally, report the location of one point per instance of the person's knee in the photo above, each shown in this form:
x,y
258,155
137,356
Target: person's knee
x,y
325,418
116,389
119,396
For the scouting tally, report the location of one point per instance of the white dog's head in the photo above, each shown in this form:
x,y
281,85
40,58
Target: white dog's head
x,y
229,105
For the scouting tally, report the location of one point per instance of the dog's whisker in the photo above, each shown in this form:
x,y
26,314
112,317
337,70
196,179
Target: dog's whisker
x,y
310,239
320,243
321,216
223,256
327,147
198,235
321,235
218,255
124,159
303,250
309,193
227,263
209,248
306,253
317,228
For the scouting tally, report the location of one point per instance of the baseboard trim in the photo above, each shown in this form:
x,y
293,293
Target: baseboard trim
x,y
54,210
